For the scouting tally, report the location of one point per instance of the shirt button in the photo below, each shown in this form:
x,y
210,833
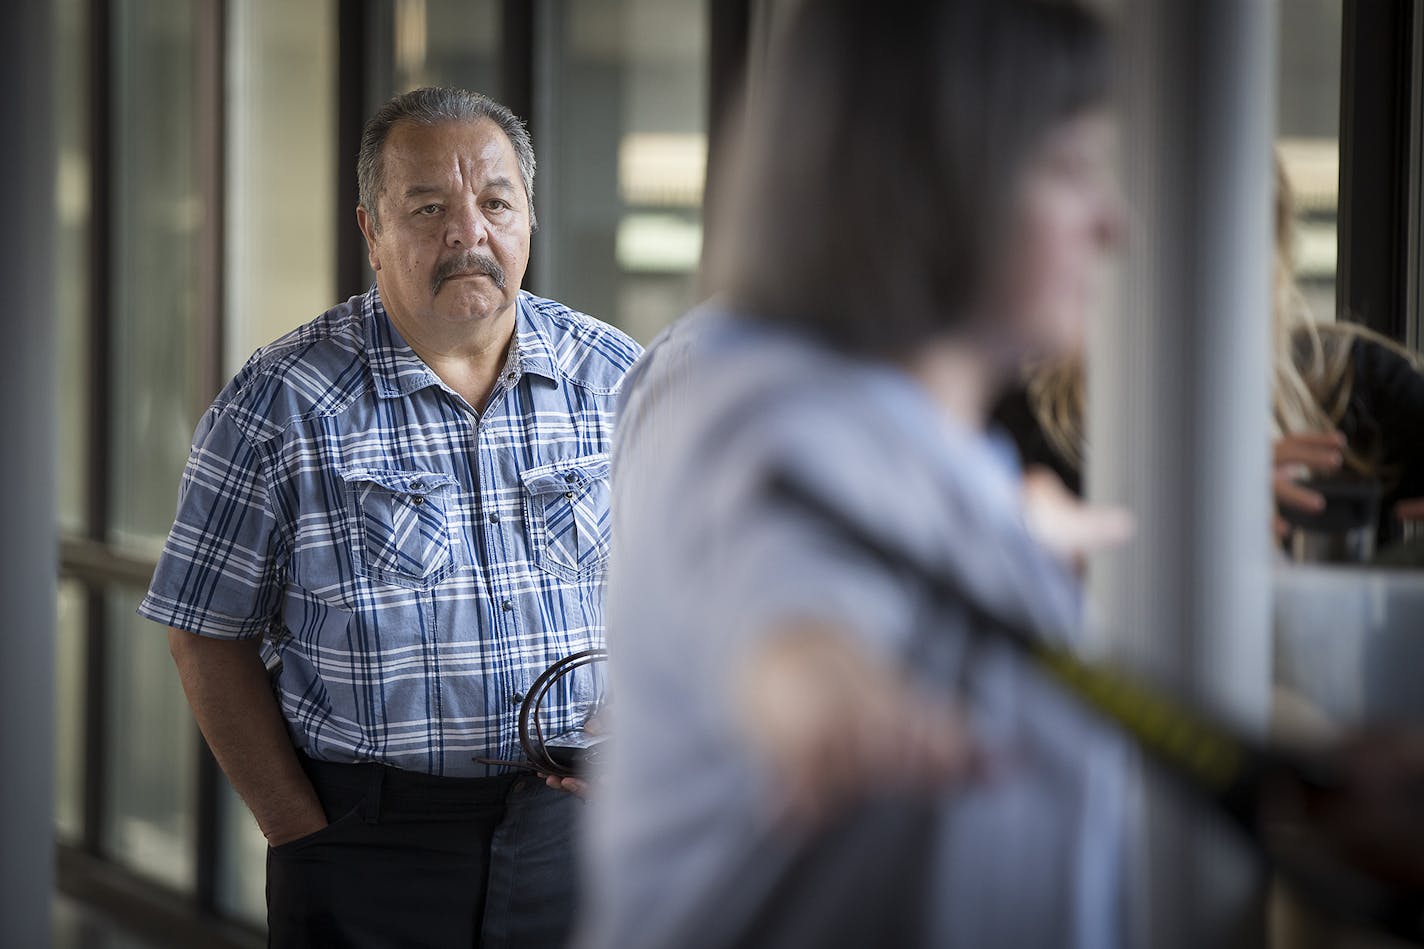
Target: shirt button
x,y
512,376
417,485
417,499
571,477
569,495
517,698
506,605
494,518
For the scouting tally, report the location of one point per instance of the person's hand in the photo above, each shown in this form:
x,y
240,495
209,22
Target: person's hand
x,y
1411,509
835,724
1064,524
1298,456
578,787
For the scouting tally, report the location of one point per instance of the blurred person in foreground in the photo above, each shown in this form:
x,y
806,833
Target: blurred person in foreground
x,y
401,509
808,751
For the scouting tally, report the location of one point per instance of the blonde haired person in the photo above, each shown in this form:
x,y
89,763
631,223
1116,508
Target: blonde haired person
x,y
1344,400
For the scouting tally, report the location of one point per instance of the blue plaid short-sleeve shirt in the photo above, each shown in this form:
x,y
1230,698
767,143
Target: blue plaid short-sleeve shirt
x,y
412,565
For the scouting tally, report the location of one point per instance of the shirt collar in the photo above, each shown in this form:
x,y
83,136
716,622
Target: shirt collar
x,y
534,349
398,371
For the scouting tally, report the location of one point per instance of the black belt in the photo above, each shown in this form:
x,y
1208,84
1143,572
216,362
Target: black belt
x,y
383,793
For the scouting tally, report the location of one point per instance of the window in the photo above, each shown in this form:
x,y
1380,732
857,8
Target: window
x,y
72,395
72,198
280,258
159,215
280,168
70,697
447,43
622,141
198,219
1308,123
151,751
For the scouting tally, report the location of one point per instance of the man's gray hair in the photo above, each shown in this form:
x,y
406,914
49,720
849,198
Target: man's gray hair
x,y
435,106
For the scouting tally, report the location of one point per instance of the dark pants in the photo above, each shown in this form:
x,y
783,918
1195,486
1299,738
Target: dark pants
x,y
416,860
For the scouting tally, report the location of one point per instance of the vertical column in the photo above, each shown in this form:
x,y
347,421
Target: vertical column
x,y
27,564
1414,239
1179,385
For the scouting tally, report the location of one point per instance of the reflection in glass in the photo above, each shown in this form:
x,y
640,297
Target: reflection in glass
x,y
622,146
151,749
280,250
447,43
242,878
280,171
1308,120
159,214
72,193
69,704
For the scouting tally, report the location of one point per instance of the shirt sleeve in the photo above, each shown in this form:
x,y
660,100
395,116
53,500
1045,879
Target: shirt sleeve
x,y
219,573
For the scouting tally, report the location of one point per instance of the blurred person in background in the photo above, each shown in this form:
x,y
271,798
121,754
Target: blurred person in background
x,y
1344,400
809,752
402,507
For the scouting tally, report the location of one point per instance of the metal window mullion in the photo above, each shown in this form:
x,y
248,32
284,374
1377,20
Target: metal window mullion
x,y
545,51
359,71
518,86
1414,241
729,37
1372,275
100,461
210,79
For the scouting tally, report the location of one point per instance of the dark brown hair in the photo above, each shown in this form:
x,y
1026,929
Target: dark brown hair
x,y
880,154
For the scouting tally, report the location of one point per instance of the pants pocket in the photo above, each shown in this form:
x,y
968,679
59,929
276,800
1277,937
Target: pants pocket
x,y
316,837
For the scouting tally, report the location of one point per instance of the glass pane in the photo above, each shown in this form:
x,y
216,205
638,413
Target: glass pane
x,y
242,878
151,751
622,146
1309,128
69,706
280,170
72,193
159,213
447,43
280,258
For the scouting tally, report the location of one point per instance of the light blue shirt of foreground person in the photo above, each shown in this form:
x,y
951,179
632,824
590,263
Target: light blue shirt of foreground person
x,y
684,847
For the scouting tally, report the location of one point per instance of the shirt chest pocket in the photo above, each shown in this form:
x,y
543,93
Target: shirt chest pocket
x,y
567,513
401,524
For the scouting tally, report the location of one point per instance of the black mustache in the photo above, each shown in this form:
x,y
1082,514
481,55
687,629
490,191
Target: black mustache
x,y
468,263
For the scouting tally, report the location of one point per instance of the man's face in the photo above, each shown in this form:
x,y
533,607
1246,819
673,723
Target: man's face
x,y
454,229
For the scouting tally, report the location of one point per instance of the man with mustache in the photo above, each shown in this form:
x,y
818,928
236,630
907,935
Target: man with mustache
x,y
392,520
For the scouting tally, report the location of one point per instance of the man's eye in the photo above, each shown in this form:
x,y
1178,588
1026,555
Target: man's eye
x,y
429,210
497,204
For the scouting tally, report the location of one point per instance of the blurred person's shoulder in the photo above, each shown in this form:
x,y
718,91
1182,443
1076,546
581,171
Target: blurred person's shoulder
x,y
717,377
587,351
745,356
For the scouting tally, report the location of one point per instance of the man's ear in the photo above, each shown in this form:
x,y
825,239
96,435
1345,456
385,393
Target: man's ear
x,y
368,230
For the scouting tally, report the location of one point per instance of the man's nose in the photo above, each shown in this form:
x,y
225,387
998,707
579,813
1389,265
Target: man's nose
x,y
466,226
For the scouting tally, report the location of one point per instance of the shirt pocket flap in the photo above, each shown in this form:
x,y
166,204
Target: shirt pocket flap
x,y
416,483
570,474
